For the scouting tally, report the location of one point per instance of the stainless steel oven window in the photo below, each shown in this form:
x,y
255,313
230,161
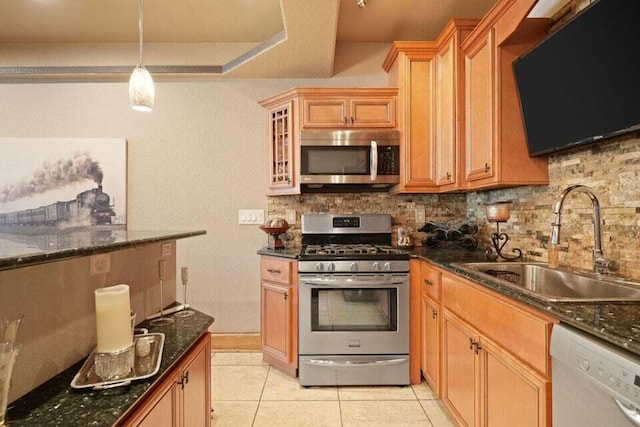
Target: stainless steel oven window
x,y
354,309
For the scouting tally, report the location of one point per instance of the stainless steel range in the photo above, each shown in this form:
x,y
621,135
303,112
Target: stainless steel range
x,y
353,302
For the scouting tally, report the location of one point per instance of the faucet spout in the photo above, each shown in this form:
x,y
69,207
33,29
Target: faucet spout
x,y
600,264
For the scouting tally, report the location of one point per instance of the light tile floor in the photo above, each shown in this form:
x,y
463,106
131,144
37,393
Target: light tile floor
x,y
247,392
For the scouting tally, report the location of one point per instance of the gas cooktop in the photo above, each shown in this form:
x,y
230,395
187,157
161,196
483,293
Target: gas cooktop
x,y
349,251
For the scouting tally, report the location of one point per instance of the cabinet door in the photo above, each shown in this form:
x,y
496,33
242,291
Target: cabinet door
x,y
461,376
196,399
324,113
505,379
445,115
372,113
419,153
281,150
275,321
164,413
480,115
430,313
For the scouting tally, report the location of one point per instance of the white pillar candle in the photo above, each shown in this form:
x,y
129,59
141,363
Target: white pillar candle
x,y
113,319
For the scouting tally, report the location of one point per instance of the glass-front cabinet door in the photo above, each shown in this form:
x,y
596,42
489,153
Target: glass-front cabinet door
x,y
281,147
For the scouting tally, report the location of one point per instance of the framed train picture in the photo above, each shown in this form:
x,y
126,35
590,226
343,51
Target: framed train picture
x,y
50,184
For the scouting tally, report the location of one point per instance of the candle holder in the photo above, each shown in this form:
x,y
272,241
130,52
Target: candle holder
x,y
499,212
114,365
161,321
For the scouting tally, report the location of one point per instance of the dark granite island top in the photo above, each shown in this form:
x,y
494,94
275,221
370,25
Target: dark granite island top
x,y
37,247
56,403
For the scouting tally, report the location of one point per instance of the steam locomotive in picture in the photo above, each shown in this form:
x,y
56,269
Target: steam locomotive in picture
x,y
93,203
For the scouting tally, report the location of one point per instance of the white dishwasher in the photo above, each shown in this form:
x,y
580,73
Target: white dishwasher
x,y
594,383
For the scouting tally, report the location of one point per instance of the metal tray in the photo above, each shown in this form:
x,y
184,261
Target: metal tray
x,y
143,367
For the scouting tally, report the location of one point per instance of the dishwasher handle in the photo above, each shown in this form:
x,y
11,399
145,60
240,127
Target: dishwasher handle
x,y
630,413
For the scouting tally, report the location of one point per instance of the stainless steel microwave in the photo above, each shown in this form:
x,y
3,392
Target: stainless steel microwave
x,y
349,158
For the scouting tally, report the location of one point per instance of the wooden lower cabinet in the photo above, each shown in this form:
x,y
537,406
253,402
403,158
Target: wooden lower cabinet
x,y
512,393
430,342
487,386
278,317
460,370
183,398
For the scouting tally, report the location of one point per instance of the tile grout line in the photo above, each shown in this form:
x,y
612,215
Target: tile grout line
x,y
264,385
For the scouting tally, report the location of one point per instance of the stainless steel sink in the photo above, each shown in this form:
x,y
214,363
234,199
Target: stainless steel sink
x,y
556,284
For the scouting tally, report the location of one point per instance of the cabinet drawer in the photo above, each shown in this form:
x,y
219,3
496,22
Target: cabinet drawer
x,y
431,280
275,269
516,328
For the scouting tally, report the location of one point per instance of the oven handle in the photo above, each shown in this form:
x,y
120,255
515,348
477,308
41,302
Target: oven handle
x,y
320,362
631,414
330,283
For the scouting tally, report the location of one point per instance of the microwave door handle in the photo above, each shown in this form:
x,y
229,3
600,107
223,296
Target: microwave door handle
x,y
374,160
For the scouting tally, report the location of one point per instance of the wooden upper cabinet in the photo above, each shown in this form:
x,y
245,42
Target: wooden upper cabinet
x,y
480,99
429,76
495,145
410,68
318,108
448,110
281,149
338,109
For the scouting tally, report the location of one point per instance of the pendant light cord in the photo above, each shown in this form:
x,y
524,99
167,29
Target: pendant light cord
x,y
140,29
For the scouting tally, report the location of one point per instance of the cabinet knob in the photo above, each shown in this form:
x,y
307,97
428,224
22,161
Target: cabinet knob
x,y
487,167
344,120
428,282
448,176
352,121
434,314
274,271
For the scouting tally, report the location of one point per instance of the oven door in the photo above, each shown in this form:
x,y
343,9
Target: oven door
x,y
353,314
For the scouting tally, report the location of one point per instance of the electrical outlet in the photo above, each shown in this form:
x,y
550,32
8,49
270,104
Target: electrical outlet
x,y
251,216
99,264
290,216
420,215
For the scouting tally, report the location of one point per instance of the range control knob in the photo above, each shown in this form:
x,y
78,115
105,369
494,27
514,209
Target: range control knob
x,y
319,266
387,266
331,267
353,266
375,266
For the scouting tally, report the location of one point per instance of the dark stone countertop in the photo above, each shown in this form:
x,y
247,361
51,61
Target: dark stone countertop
x,y
617,323
56,403
287,252
22,249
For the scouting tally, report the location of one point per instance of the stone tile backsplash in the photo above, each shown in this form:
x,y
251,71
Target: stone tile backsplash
x,y
440,207
611,169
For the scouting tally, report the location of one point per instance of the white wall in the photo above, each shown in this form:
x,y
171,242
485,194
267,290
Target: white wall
x,y
192,163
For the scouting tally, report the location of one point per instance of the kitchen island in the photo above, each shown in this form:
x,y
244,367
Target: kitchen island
x,y
56,403
48,277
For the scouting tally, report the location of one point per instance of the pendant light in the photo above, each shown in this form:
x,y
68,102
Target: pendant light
x,y
141,90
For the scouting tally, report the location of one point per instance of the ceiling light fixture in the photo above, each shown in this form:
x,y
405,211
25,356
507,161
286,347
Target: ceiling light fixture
x,y
141,90
361,3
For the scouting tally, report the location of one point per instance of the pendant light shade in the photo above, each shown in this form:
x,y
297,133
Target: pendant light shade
x,y
142,92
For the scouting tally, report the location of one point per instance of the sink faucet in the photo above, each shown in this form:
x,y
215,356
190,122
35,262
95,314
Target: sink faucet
x,y
600,263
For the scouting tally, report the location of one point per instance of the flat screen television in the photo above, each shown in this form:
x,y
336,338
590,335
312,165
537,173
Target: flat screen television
x,y
582,83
